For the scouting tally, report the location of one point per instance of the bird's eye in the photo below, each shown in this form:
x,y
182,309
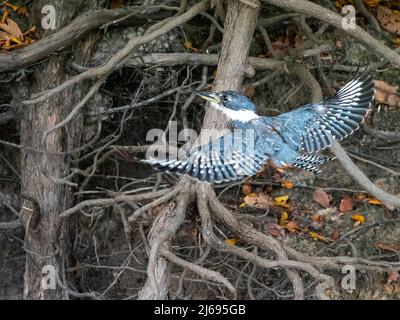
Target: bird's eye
x,y
224,97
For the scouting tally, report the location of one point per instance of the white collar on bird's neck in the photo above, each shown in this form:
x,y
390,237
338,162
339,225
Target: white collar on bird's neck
x,y
237,115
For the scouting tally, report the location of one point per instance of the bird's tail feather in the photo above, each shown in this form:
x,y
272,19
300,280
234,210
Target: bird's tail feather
x,y
311,162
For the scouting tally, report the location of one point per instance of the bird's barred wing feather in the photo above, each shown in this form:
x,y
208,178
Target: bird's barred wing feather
x,y
228,158
311,127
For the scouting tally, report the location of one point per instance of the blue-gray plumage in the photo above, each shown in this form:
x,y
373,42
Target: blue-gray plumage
x,y
287,140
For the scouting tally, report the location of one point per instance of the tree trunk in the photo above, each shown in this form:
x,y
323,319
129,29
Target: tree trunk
x,y
240,23
47,239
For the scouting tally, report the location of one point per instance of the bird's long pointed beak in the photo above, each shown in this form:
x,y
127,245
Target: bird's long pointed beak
x,y
208,95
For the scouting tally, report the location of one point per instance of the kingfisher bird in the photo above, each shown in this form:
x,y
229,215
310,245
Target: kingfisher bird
x,y
292,139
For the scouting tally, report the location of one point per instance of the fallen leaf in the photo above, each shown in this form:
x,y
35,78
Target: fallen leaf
x,y
258,200
23,11
393,276
321,197
282,201
388,19
12,29
358,218
374,201
391,247
274,230
246,189
318,218
14,7
292,226
231,242
346,204
189,45
283,219
371,3
287,184
384,86
315,236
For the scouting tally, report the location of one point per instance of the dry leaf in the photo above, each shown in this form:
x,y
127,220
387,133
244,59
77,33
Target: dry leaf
x,y
371,3
14,7
282,201
12,29
231,242
346,204
322,198
384,86
274,230
189,45
23,11
318,218
374,201
317,236
284,218
389,19
292,226
358,218
260,200
391,247
287,184
393,276
246,189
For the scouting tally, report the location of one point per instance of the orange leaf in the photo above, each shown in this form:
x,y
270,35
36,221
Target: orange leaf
x,y
371,3
292,226
246,189
374,201
322,198
23,11
358,218
317,217
231,242
12,6
346,204
189,45
287,184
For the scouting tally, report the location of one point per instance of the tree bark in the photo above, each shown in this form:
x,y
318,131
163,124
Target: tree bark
x,y
240,23
47,239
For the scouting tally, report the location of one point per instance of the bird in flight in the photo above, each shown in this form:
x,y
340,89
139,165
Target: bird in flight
x,y
292,139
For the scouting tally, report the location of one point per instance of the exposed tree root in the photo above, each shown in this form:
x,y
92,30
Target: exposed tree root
x,y
212,211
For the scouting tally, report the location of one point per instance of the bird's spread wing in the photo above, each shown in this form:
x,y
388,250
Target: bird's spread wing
x,y
228,158
311,127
